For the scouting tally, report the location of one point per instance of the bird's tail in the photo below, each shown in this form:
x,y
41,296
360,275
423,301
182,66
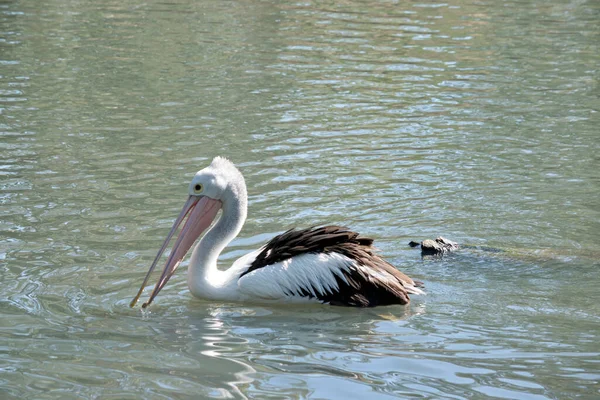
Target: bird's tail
x,y
414,288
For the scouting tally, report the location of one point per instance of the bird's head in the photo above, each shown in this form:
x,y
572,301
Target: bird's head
x,y
209,190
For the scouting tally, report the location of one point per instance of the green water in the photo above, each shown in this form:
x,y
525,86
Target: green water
x,y
475,120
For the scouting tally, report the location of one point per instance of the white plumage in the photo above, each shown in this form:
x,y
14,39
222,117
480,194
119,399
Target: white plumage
x,y
313,273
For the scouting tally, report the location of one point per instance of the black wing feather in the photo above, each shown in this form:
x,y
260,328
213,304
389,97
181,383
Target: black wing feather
x,y
360,288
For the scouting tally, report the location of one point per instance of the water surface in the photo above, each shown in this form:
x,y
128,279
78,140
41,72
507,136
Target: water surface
x,y
403,120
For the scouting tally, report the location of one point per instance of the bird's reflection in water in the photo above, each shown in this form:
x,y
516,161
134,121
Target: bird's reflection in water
x,y
262,341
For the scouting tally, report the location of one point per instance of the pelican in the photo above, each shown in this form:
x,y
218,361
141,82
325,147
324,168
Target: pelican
x,y
330,264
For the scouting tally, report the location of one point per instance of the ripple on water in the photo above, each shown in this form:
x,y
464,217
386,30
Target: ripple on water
x,y
402,120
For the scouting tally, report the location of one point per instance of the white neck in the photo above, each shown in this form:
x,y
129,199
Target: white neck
x,y
204,278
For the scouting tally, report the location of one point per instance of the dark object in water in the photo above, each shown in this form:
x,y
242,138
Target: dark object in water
x,y
439,246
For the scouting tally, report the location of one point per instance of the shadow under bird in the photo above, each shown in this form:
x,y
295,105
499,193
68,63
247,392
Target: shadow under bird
x,y
329,264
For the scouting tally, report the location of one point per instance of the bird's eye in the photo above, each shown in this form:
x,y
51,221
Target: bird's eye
x,y
198,188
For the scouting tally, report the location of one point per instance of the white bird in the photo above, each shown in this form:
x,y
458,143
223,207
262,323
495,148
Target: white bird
x,y
330,264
